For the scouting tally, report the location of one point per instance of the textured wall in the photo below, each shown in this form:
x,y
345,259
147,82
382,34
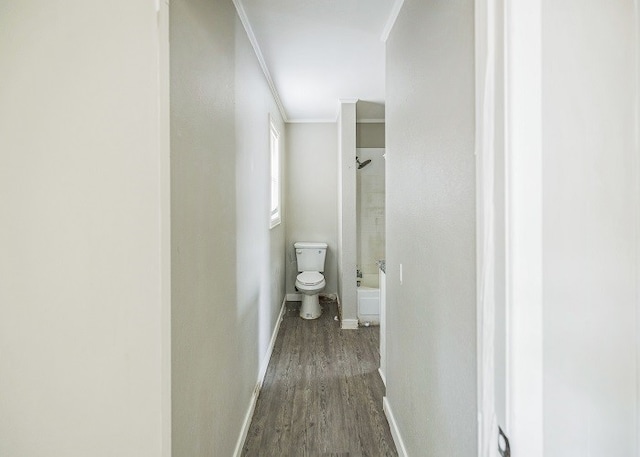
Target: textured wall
x,y
431,314
590,228
82,202
227,266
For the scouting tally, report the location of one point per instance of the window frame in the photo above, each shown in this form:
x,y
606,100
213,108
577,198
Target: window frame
x,y
275,218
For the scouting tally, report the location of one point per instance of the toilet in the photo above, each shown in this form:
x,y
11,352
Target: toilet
x,y
310,282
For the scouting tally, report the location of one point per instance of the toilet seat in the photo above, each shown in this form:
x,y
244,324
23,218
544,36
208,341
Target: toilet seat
x,y
310,278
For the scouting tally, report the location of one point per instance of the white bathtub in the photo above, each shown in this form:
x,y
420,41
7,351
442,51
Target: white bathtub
x,y
368,295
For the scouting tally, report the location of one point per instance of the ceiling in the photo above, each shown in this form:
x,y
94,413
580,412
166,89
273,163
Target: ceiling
x,y
316,52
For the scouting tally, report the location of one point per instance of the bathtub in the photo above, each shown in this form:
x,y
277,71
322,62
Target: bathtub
x,y
368,295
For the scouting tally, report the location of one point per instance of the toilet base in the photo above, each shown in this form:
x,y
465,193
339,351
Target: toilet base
x,y
310,308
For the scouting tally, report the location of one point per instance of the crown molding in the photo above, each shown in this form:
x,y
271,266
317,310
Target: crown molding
x,y
393,15
242,14
311,121
370,121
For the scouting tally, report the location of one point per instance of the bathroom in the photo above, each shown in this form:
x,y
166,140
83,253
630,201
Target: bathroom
x,y
313,195
370,219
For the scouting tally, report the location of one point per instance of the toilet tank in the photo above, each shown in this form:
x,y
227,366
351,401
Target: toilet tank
x,y
310,255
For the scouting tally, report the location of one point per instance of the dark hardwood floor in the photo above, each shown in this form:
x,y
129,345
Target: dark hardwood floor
x,y
322,395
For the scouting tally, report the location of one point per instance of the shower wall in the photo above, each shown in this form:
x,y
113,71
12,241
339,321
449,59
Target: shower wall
x,y
370,211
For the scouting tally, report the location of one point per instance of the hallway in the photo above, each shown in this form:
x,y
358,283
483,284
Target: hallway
x,y
322,395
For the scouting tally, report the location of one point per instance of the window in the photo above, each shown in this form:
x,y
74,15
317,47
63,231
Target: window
x,y
274,145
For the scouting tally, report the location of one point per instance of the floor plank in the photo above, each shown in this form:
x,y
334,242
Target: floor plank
x,y
322,394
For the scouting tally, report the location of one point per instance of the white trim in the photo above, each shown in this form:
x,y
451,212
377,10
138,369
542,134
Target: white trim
x,y
382,281
637,228
393,426
480,57
485,53
391,20
523,164
246,423
348,100
349,324
265,362
311,121
164,120
275,155
370,121
242,14
382,376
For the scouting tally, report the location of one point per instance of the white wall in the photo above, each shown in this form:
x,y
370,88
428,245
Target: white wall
x,y
83,202
227,266
370,210
431,314
590,228
312,195
347,241
260,251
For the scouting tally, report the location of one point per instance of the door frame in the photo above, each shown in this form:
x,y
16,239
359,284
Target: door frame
x,y
520,43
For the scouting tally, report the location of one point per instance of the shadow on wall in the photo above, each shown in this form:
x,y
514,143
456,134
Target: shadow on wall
x,y
367,110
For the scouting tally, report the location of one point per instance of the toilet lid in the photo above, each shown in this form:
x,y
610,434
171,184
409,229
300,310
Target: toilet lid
x,y
310,278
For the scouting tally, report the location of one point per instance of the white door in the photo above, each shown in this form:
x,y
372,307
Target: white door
x,y
558,227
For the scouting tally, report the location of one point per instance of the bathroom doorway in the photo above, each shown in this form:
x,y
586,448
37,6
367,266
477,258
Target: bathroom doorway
x,y
371,227
370,230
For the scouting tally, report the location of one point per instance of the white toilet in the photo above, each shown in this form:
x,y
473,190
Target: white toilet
x,y
310,282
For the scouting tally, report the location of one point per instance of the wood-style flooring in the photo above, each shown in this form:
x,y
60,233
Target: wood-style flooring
x,y
322,394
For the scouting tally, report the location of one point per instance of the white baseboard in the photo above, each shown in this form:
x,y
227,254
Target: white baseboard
x,y
372,319
395,433
256,391
349,324
382,375
272,342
